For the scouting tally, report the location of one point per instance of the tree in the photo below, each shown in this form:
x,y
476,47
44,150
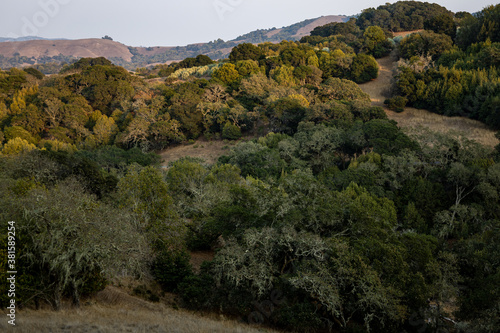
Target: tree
x,y
375,42
60,246
283,75
481,28
336,28
442,24
231,132
227,74
17,146
364,68
245,51
426,43
104,130
146,194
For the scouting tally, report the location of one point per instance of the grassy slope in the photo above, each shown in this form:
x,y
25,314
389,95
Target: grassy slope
x,y
113,310
380,89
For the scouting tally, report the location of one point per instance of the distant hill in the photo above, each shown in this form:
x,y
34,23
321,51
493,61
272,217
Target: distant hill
x,y
23,39
35,50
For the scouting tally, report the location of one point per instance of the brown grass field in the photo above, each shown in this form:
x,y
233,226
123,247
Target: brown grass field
x,y
113,310
380,89
209,151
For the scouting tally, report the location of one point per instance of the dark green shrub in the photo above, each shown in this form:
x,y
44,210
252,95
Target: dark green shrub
x,y
301,317
195,291
396,103
170,267
231,132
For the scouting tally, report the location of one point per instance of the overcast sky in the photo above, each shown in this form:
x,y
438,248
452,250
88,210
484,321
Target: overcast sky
x,y
170,23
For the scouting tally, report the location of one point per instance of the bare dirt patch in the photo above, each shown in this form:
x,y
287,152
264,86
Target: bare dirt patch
x,y
198,257
380,89
306,30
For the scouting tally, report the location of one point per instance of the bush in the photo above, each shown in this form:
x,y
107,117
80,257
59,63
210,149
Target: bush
x,y
195,289
171,267
301,317
231,132
397,103
364,68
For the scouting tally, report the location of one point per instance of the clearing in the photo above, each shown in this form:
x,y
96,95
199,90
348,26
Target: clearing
x,y
209,151
380,89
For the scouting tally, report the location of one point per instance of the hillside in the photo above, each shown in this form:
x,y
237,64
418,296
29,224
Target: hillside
x,y
32,52
82,48
332,184
114,310
412,118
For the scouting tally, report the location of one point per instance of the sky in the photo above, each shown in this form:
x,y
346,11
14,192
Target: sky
x,y
175,23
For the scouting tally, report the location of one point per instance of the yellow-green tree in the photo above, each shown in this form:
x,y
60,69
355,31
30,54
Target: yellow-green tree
x,y
284,75
227,74
104,130
17,146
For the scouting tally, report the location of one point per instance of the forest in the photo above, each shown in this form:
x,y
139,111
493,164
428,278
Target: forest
x,y
324,216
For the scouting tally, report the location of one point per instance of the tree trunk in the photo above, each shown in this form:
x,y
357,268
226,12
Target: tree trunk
x,y
76,295
57,297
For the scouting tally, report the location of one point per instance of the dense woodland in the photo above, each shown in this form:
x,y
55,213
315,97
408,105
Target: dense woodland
x,y
331,218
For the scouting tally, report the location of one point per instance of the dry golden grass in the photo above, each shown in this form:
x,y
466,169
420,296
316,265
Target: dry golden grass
x,y
210,151
471,129
113,310
380,89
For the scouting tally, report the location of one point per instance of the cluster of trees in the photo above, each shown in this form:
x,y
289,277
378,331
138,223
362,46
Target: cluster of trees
x,y
344,226
373,40
46,64
401,15
454,77
93,103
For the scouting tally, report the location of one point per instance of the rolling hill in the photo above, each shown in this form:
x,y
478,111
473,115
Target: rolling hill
x,y
41,51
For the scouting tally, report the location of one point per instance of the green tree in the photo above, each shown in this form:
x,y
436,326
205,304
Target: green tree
x,y
227,74
145,192
425,43
245,51
442,24
59,245
364,68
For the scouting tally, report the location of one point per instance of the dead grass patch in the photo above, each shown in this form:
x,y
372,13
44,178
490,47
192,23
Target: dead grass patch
x,y
380,89
209,151
113,310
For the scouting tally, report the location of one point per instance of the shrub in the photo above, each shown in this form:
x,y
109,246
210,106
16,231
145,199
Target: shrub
x,y
231,132
396,103
170,267
194,290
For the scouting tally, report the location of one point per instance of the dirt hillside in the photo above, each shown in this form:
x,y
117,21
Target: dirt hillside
x,y
306,31
76,48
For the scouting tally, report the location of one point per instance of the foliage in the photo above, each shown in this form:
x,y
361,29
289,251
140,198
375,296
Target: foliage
x,y
426,43
57,243
480,28
401,15
364,68
170,268
335,219
231,132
